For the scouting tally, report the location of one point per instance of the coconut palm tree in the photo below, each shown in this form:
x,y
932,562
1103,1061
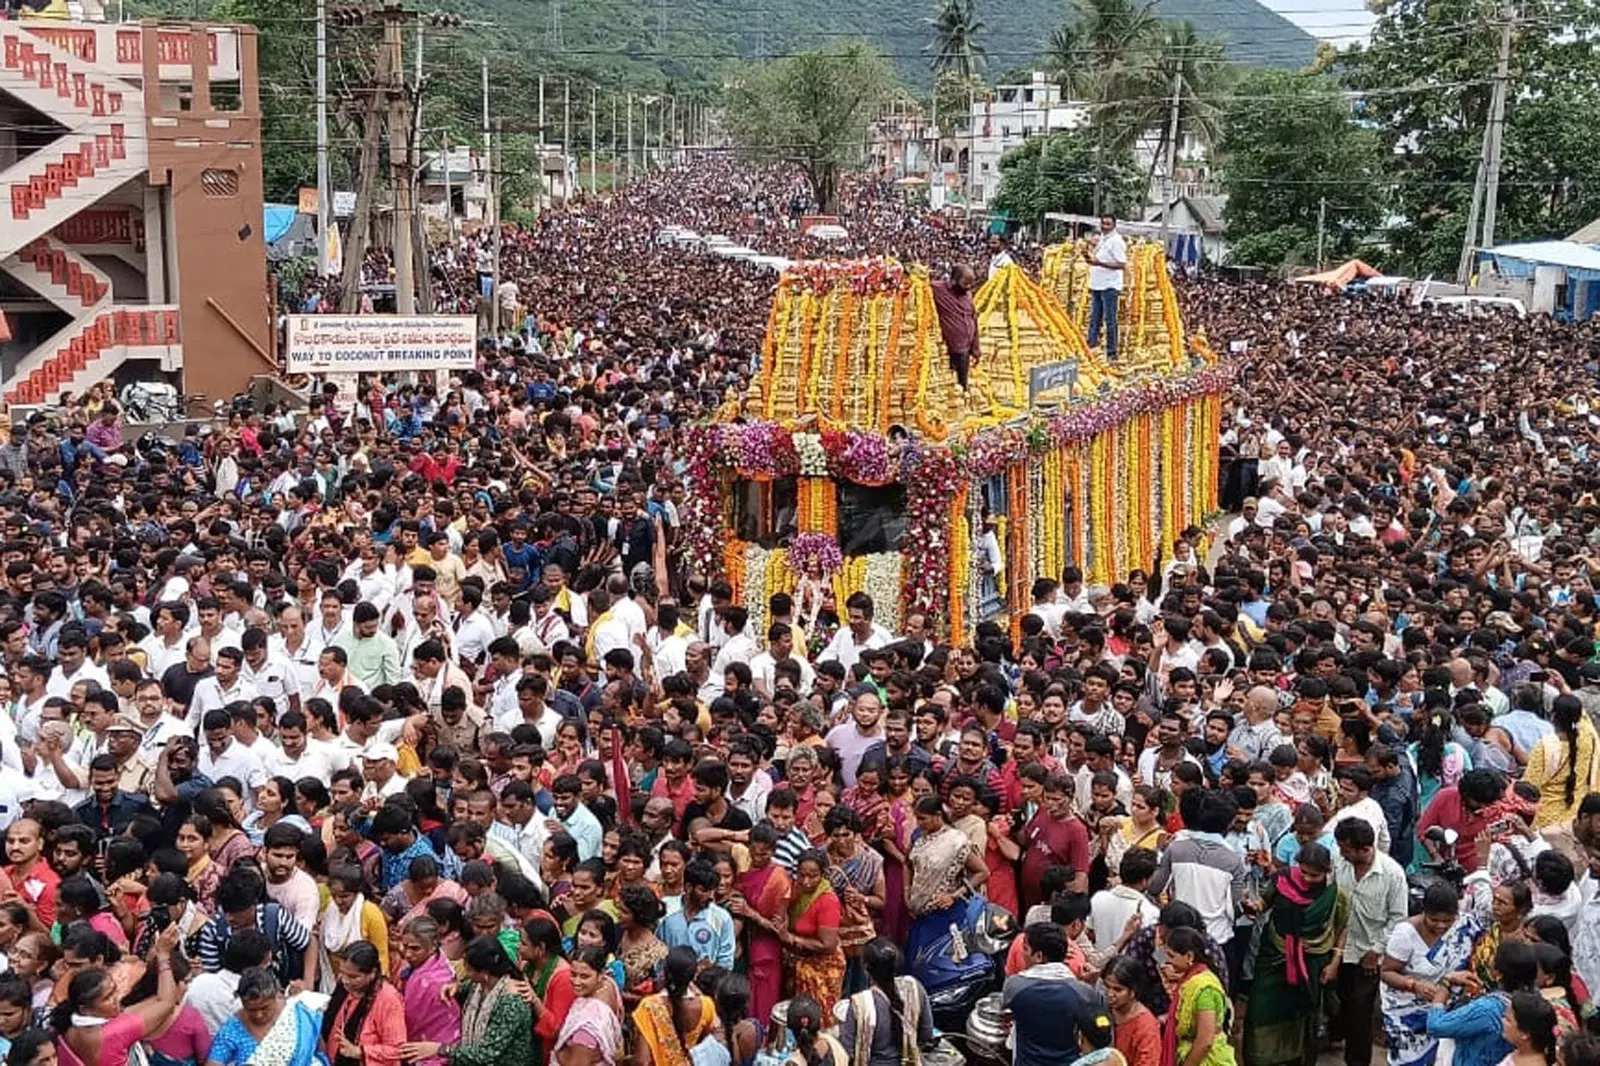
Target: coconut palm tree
x,y
1096,58
1186,70
955,31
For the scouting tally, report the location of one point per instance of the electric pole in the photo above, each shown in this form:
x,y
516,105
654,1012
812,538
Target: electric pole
x,y
494,201
401,248
594,143
630,138
324,194
566,129
1322,222
355,249
1486,187
1167,181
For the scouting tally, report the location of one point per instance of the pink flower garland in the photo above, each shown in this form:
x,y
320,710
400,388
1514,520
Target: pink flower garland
x,y
815,550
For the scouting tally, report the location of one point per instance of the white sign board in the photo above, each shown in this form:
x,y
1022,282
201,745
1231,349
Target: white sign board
x,y
372,344
344,204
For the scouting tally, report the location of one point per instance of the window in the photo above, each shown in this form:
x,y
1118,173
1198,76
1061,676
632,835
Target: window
x,y
765,511
219,184
1027,96
1005,131
872,518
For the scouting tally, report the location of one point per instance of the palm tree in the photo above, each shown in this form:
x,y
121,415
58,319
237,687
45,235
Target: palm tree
x,y
1095,58
1187,70
955,31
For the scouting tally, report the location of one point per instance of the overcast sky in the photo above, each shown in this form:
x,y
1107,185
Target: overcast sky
x,y
1340,21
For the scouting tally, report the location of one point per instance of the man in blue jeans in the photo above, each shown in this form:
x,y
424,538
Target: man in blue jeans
x,y
1106,265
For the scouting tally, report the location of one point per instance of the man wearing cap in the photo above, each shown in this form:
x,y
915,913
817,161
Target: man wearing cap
x,y
122,743
378,761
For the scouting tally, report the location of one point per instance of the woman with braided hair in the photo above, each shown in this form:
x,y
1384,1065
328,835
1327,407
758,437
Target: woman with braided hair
x,y
1564,766
671,1022
891,1022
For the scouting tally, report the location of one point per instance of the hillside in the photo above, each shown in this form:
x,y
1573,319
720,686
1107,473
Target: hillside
x,y
691,41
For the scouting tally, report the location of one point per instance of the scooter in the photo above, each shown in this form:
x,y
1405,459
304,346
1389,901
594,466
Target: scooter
x,y
965,963
1446,869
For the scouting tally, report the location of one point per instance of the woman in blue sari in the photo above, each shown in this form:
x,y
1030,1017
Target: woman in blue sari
x,y
1426,956
267,1030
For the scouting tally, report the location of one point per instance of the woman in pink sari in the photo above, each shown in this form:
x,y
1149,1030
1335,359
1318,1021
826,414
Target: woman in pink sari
x,y
430,1016
898,822
762,902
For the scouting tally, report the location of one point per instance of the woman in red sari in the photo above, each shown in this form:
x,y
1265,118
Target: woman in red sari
x,y
815,959
762,902
865,797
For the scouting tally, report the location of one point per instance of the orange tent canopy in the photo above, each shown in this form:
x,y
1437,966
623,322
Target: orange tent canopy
x,y
1339,277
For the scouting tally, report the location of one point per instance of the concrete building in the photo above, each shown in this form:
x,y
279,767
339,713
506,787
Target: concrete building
x,y
1011,115
131,158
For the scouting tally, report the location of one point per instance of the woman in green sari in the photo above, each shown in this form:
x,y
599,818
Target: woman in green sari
x,y
1298,954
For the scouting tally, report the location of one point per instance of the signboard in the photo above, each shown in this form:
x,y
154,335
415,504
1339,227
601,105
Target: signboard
x,y
1048,377
308,201
371,344
344,204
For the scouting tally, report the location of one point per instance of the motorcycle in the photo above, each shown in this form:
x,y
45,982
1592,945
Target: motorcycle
x,y
1445,869
966,963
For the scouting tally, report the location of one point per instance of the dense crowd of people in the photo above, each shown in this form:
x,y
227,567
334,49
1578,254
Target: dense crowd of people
x,y
397,730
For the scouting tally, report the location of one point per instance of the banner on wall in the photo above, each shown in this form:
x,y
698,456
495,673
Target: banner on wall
x,y
373,344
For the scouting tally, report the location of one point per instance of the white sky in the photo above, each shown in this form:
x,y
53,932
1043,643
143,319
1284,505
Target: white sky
x,y
1339,21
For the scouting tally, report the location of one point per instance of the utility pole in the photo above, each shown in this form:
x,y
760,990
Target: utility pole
x,y
486,142
400,247
1168,179
629,167
1322,222
1497,123
355,250
419,228
324,194
613,140
594,142
566,118
672,125
644,134
494,202
449,197
1486,187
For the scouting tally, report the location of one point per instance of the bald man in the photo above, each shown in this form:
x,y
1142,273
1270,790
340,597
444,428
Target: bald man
x,y
958,319
1256,734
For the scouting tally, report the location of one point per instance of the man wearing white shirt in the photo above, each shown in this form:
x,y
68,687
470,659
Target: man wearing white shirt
x,y
432,673
1111,908
294,757
525,826
223,756
159,727
292,646
1107,263
474,631
506,658
73,665
668,648
375,581
738,647
225,686
1355,801
532,708
330,623
272,678
780,648
166,646
378,767
861,635
625,607
547,625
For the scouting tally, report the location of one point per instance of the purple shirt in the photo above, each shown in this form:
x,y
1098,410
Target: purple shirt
x,y
102,436
427,1017
851,744
958,319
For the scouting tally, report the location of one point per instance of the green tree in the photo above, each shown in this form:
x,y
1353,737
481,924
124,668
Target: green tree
x,y
1428,76
1183,67
1057,173
1289,145
811,110
1097,56
955,31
